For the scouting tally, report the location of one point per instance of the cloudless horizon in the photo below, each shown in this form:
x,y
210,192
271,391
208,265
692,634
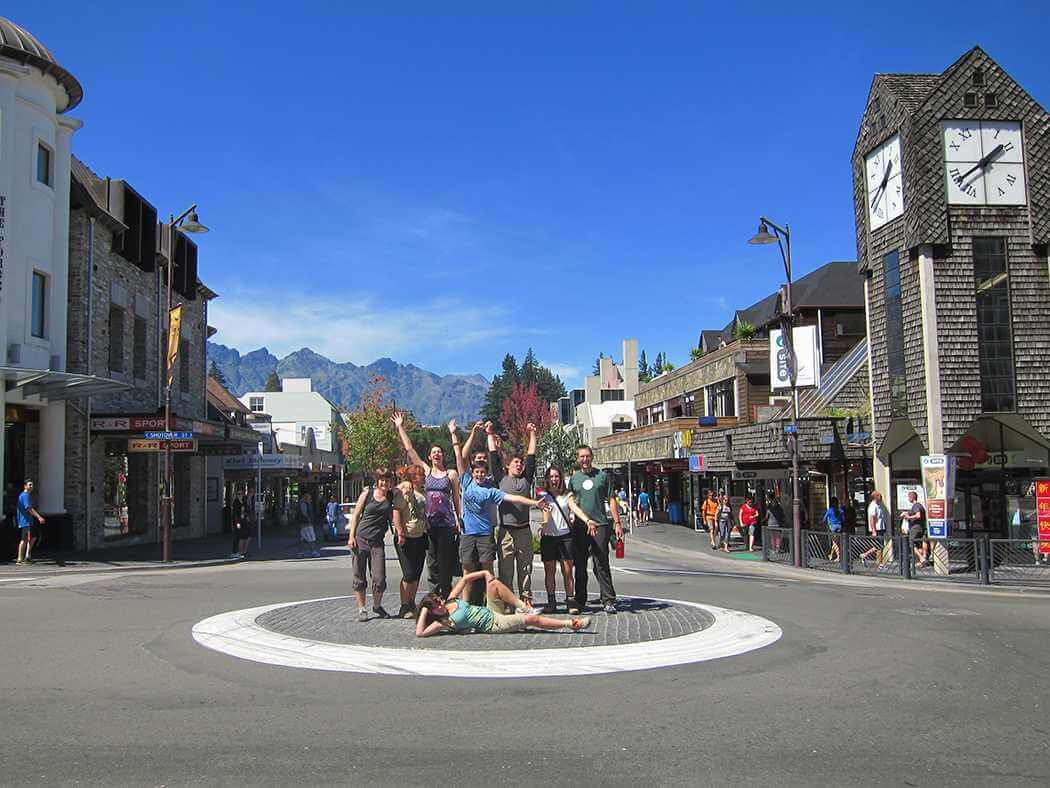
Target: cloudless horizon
x,y
446,185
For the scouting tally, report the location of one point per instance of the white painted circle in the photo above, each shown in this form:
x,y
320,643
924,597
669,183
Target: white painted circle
x,y
588,484
236,633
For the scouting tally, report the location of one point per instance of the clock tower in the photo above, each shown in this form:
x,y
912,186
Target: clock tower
x,y
951,179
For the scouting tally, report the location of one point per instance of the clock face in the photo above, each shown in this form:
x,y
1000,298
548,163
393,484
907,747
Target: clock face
x,y
885,183
984,162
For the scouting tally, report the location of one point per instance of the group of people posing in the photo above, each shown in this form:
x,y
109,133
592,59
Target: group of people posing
x,y
478,512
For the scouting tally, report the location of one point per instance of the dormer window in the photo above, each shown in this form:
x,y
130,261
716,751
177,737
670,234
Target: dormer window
x,y
991,100
977,78
970,100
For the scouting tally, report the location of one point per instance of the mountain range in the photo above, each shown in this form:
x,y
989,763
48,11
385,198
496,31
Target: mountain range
x,y
433,399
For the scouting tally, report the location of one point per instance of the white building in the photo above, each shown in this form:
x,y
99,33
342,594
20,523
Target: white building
x,y
35,136
608,397
296,411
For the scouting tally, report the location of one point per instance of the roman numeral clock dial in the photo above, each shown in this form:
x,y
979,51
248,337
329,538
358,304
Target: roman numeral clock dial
x,y
885,183
984,162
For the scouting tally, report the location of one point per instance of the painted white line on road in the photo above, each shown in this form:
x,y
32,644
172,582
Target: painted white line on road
x,y
236,633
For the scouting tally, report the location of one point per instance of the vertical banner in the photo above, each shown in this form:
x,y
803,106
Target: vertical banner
x,y
938,482
1042,509
807,358
174,334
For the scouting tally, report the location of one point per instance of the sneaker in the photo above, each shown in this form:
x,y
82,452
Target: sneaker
x,y
549,608
315,554
609,607
379,611
526,610
362,615
20,563
573,608
580,623
29,561
235,556
402,610
410,612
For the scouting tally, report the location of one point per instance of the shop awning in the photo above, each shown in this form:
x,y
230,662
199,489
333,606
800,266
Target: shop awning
x,y
51,386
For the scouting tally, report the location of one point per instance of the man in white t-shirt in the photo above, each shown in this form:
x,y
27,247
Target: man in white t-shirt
x,y
876,525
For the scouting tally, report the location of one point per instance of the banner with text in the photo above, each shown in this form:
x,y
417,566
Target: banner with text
x,y
807,358
1042,510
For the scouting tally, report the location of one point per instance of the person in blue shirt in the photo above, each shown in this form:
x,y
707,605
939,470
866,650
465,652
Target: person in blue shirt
x,y
477,547
833,518
25,515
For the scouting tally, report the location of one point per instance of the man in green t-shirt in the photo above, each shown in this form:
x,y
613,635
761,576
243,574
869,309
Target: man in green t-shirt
x,y
590,490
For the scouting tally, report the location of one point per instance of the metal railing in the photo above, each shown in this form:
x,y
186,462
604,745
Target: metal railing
x,y
977,560
823,550
875,555
776,545
1023,561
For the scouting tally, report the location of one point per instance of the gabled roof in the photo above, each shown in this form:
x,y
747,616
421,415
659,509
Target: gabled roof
x,y
909,89
223,400
90,190
711,339
833,284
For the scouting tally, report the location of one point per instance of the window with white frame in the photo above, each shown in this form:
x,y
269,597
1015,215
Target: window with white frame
x,y
45,164
38,319
255,404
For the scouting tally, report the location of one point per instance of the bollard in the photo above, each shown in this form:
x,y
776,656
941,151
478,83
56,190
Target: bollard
x,y
844,552
906,557
984,561
765,543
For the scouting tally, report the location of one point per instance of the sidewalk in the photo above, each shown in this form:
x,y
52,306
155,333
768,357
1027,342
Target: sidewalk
x,y
213,550
683,542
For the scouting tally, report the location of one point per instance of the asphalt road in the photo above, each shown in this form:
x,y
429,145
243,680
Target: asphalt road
x,y
876,685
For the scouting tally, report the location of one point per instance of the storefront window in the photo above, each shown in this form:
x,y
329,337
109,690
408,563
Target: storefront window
x,y
125,493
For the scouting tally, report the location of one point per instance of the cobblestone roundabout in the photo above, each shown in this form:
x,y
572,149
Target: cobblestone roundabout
x,y
335,621
323,634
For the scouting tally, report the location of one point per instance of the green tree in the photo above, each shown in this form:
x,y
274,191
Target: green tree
x,y
644,375
548,385
216,374
273,383
370,438
597,370
744,330
557,446
695,353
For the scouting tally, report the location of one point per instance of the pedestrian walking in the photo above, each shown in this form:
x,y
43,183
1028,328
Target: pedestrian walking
x,y
25,514
411,541
307,533
644,507
708,513
590,492
514,535
443,506
724,518
556,545
774,519
913,524
876,523
332,518
241,528
833,519
374,515
452,614
748,515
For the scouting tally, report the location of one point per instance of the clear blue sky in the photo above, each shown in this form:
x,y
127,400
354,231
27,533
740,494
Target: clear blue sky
x,y
445,183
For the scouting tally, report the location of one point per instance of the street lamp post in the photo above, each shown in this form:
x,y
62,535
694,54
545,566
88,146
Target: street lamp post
x,y
189,223
763,236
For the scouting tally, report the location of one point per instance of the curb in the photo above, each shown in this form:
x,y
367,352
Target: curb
x,y
832,578
100,568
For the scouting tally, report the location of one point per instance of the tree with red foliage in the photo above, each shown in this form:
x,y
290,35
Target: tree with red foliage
x,y
522,407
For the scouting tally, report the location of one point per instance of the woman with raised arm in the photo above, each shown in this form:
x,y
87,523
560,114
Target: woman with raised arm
x,y
452,614
443,507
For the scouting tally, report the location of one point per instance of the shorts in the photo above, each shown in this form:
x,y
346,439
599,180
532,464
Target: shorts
x,y
411,555
501,622
477,549
25,530
916,533
307,534
242,528
751,530
556,548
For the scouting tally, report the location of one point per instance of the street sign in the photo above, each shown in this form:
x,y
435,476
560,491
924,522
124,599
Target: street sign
x,y
696,463
136,445
169,436
278,461
790,429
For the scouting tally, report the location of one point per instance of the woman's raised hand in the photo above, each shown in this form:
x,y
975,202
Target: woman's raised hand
x,y
398,418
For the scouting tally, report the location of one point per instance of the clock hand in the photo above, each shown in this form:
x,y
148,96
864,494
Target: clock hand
x,y
983,162
885,178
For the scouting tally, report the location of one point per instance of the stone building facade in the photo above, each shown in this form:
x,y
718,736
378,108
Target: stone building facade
x,y
956,282
118,328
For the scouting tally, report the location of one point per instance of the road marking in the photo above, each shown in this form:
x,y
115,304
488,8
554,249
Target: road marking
x,y
637,570
236,633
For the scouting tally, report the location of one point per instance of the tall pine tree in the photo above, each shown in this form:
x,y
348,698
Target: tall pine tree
x,y
643,368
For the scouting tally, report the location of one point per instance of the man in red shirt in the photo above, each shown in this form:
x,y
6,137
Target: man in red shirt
x,y
748,520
